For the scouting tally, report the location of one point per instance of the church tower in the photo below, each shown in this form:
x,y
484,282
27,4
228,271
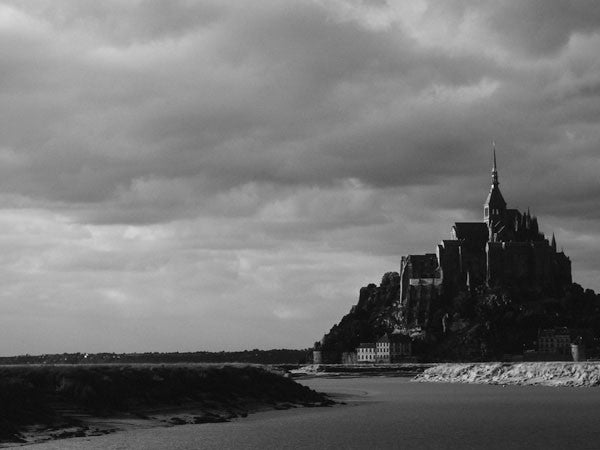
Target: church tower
x,y
494,208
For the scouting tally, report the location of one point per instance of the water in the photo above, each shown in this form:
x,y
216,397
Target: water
x,y
392,413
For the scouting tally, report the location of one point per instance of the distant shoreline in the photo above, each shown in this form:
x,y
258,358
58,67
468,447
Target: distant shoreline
x,y
331,370
555,373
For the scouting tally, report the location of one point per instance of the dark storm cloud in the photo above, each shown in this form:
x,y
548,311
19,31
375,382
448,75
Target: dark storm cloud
x,y
529,28
542,27
262,96
186,154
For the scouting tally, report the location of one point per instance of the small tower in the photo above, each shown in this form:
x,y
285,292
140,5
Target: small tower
x,y
494,208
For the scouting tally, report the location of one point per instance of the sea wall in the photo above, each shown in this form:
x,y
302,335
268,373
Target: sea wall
x,y
59,396
529,373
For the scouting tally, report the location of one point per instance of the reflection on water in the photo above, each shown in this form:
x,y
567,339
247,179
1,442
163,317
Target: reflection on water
x,y
392,413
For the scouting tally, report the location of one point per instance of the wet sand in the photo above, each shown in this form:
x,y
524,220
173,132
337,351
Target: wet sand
x,y
57,402
388,412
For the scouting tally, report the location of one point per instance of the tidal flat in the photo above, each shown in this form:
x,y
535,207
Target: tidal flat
x,y
49,402
389,413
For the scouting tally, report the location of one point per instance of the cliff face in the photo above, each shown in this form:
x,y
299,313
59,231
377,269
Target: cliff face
x,y
377,312
482,324
483,293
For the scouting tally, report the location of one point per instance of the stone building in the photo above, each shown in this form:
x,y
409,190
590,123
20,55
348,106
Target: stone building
x,y
389,348
383,349
555,340
420,285
393,348
366,352
505,249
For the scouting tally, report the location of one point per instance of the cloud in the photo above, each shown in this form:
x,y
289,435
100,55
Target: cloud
x,y
163,161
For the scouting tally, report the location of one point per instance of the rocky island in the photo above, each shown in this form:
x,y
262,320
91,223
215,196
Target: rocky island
x,y
497,289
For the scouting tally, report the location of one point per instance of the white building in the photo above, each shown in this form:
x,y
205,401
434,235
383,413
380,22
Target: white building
x,y
392,348
383,349
366,352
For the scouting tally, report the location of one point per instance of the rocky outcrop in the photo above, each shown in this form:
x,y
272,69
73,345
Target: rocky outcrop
x,y
376,313
539,373
481,324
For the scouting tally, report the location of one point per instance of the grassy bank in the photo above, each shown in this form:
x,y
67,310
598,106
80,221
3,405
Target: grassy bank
x,y
62,397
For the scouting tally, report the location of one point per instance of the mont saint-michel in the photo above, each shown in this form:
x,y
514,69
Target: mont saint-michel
x,y
498,288
193,192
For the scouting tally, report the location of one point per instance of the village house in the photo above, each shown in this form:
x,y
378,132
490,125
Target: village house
x,y
400,347
555,340
389,348
366,352
383,349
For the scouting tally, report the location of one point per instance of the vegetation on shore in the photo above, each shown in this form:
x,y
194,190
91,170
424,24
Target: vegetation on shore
x,y
255,356
58,396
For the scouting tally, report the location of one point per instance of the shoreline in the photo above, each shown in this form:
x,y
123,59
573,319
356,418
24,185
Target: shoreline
x,y
554,374
228,392
547,373
89,426
357,370
42,403
387,412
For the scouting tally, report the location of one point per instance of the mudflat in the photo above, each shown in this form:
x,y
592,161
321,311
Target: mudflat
x,y
62,401
390,412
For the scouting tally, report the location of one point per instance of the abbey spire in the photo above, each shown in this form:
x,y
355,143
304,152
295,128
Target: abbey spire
x,y
494,207
495,182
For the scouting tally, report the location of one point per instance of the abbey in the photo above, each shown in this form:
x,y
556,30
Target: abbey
x,y
505,249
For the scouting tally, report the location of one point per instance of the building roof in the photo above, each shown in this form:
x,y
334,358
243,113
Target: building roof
x,y
367,345
550,332
423,266
495,199
384,338
512,214
471,231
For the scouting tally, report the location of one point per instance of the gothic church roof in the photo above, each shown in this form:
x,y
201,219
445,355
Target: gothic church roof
x,y
495,199
471,231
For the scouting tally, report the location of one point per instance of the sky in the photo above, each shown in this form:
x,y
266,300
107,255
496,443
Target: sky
x,y
182,175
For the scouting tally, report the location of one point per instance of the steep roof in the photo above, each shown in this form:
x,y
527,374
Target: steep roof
x,y
495,199
512,215
471,231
